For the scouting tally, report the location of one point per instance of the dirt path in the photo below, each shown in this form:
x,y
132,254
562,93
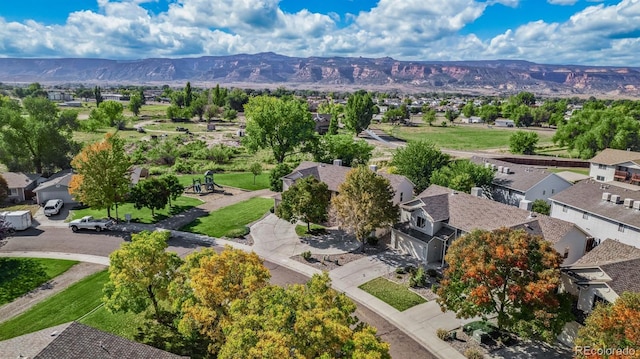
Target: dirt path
x,y
57,284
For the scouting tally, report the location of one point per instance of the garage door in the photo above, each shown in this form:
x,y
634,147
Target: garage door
x,y
46,194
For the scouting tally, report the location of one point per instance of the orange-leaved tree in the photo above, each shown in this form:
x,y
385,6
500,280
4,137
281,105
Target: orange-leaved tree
x,y
509,273
612,326
101,173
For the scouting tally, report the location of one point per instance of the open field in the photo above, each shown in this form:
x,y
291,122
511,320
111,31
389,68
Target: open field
x,y
460,136
121,324
396,295
243,180
232,218
140,215
17,275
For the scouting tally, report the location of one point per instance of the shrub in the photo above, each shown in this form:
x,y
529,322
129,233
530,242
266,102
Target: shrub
x,y
410,269
432,273
473,353
372,241
485,326
182,166
238,232
221,154
443,334
306,255
418,279
400,270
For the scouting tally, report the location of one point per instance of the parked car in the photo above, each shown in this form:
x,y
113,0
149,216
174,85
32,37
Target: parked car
x,y
88,222
53,207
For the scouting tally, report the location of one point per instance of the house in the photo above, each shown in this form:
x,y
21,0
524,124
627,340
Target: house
x,y
504,123
20,185
616,165
75,340
472,119
55,187
603,274
138,173
334,174
436,217
112,97
520,185
59,96
602,210
322,121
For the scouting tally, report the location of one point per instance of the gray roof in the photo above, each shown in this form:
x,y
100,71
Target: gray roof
x,y
520,177
467,213
334,175
60,179
81,341
618,260
587,196
610,156
19,179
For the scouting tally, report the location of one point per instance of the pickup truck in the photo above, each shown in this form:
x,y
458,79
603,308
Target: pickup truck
x,y
88,222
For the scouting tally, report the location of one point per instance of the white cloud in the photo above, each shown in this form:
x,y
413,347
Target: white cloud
x,y
562,2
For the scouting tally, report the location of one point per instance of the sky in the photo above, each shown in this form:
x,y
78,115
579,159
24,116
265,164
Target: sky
x,y
582,32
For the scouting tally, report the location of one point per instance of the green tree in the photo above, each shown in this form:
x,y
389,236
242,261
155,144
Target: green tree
x,y
364,203
344,147
507,273
150,193
333,126
541,206
336,111
97,94
256,170
417,161
101,174
281,125
140,273
219,96
236,99
306,200
188,95
229,114
135,104
111,111
526,98
469,109
358,112
302,321
523,142
172,187
489,113
4,189
276,174
198,106
428,116
41,140
451,115
462,175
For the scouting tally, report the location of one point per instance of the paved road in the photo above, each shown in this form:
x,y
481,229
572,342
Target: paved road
x,y
63,240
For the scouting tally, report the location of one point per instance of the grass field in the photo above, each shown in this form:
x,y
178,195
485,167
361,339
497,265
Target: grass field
x,y
140,215
16,279
396,295
242,180
301,230
68,305
232,218
121,324
459,137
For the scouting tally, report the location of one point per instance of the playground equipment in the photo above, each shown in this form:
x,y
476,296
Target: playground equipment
x,y
208,185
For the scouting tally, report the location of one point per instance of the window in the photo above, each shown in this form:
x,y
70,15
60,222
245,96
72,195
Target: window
x,y
565,209
553,190
544,192
566,253
585,215
13,191
602,167
401,196
421,222
600,178
621,227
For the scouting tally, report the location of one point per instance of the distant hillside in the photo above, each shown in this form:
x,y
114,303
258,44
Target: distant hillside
x,y
269,68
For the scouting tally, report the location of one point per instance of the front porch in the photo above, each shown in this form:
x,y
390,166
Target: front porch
x,y
429,250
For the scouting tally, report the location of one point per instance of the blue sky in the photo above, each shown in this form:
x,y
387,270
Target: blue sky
x,y
590,32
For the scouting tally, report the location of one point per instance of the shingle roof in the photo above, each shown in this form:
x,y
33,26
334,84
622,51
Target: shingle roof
x,y
520,177
81,341
610,157
609,251
587,196
467,213
60,179
334,175
18,179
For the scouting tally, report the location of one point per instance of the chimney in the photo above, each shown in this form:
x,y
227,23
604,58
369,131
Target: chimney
x,y
615,198
606,196
337,162
525,204
506,170
500,169
373,168
636,205
628,202
476,191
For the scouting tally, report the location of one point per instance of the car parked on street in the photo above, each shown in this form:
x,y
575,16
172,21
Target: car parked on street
x,y
53,207
88,222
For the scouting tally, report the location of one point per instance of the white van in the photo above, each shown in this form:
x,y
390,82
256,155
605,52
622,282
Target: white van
x,y
52,207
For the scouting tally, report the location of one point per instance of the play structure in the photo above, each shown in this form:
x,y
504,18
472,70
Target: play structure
x,y
208,186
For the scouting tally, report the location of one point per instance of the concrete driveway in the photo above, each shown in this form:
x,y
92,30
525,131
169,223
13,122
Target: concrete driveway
x,y
56,221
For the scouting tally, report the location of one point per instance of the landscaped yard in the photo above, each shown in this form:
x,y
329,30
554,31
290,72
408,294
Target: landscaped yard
x,y
140,215
396,295
68,305
230,219
459,137
18,276
301,230
243,180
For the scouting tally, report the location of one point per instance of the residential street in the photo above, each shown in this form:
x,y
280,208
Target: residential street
x,y
101,244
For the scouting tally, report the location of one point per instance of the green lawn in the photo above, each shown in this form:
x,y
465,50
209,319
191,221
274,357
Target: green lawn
x,y
121,324
243,180
396,295
232,218
459,137
66,306
582,171
301,230
18,275
140,215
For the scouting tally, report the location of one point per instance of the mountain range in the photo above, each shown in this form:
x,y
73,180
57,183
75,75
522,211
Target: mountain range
x,y
269,69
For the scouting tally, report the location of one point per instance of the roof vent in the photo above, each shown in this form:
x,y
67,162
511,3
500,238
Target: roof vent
x,y
636,205
337,162
506,170
615,198
532,214
525,204
476,191
628,202
500,169
606,196
454,192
